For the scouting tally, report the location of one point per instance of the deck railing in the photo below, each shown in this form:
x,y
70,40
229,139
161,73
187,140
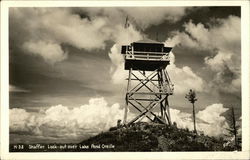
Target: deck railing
x,y
140,55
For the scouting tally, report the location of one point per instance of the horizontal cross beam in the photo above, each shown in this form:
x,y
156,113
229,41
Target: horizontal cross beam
x,y
148,93
146,78
148,109
135,79
143,99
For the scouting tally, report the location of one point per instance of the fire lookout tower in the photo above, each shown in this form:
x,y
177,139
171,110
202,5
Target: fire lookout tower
x,y
149,84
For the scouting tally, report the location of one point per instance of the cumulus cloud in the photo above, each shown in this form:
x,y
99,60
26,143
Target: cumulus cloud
x,y
49,28
223,40
210,120
97,116
183,78
155,15
225,36
46,29
19,120
62,121
125,37
218,61
216,123
51,52
181,39
226,80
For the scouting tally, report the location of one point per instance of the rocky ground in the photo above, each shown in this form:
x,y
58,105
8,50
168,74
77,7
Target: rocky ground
x,y
137,137
156,137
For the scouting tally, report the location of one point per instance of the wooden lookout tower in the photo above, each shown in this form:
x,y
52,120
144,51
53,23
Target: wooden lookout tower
x,y
149,84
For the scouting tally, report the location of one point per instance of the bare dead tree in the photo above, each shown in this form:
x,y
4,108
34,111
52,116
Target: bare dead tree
x,y
191,96
233,127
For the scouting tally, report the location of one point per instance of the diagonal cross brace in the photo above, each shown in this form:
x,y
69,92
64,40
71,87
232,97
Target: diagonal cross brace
x,y
141,81
139,109
147,79
149,108
145,109
143,84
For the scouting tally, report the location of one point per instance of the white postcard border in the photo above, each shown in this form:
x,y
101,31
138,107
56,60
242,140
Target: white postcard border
x,y
5,154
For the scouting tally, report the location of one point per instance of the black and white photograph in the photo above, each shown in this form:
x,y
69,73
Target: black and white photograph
x,y
125,79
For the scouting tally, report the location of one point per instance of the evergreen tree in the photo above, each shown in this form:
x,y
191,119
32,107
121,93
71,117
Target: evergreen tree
x,y
191,96
233,127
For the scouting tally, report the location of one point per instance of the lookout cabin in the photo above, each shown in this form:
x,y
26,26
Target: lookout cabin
x,y
146,55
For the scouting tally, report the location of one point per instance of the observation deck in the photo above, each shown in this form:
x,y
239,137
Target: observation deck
x,y
146,55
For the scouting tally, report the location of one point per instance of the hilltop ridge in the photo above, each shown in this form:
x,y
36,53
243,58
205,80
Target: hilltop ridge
x,y
140,137
144,136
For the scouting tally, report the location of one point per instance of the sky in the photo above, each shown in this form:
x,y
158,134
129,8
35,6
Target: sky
x,y
67,77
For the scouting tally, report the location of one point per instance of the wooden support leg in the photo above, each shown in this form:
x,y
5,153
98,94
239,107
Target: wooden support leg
x,y
161,89
126,105
168,111
160,96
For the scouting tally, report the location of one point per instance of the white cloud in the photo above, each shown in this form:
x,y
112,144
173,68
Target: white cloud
x,y
226,67
181,39
51,52
49,28
124,37
210,121
199,33
224,40
54,27
119,74
155,15
217,62
97,116
19,120
59,120
62,26
212,115
225,36
136,15
183,120
183,78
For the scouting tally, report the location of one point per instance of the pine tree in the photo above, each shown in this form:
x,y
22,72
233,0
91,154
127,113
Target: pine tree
x,y
191,96
233,127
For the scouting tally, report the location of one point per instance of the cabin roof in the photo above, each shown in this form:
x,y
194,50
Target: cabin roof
x,y
149,41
